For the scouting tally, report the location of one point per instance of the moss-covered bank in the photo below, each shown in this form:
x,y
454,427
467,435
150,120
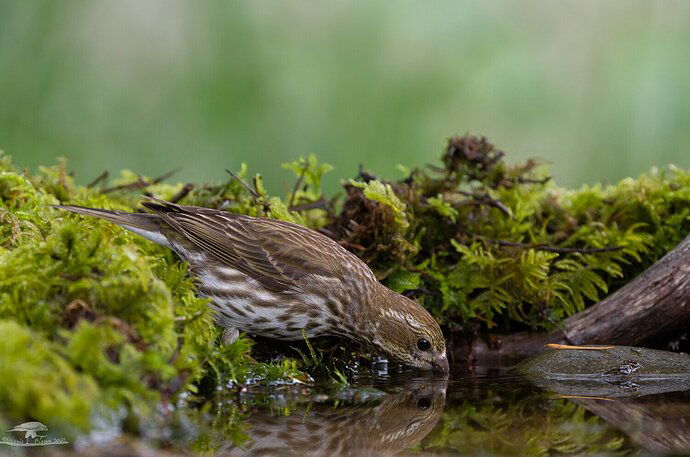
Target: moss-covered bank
x,y
97,322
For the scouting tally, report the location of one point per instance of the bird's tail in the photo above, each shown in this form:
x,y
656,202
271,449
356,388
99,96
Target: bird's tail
x,y
146,225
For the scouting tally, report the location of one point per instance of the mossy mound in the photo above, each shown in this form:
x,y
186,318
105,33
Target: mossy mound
x,y
94,321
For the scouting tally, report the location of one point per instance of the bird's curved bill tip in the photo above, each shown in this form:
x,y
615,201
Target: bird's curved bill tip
x,y
441,364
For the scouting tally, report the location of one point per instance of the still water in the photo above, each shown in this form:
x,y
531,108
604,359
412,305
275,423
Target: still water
x,y
481,412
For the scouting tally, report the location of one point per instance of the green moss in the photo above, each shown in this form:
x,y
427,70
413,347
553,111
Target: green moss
x,y
500,245
114,319
37,382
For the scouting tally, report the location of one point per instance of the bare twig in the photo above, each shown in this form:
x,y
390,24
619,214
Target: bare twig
x,y
98,179
320,203
141,183
546,247
297,184
165,176
522,180
186,189
486,199
436,168
244,183
556,249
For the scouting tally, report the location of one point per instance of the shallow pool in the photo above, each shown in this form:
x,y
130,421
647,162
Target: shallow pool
x,y
483,411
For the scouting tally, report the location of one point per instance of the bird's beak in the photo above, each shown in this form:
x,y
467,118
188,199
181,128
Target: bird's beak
x,y
441,364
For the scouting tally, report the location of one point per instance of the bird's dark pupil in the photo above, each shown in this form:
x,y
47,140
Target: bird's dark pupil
x,y
423,345
423,403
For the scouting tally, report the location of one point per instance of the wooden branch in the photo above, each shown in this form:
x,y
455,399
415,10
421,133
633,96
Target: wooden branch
x,y
657,302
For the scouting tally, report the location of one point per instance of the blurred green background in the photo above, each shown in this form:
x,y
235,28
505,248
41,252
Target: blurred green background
x,y
599,89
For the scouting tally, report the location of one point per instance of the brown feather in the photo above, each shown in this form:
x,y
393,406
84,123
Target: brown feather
x,y
276,253
148,222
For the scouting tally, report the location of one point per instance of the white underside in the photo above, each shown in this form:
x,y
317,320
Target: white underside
x,y
243,284
156,237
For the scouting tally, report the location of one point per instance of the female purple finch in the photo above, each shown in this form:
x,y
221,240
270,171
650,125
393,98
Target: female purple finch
x,y
281,280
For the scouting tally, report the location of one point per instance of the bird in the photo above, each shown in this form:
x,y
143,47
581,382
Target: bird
x,y
284,281
383,426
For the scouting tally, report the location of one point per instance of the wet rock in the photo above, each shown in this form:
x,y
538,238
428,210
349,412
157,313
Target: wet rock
x,y
621,360
618,371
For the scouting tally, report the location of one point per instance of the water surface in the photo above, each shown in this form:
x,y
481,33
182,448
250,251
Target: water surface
x,y
478,412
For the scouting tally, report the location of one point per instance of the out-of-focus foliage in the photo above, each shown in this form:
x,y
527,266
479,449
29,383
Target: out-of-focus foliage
x,y
597,88
38,381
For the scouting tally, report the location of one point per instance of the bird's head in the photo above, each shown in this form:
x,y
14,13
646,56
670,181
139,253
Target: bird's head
x,y
407,333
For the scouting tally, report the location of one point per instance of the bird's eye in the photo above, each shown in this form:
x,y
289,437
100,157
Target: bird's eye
x,y
423,344
423,403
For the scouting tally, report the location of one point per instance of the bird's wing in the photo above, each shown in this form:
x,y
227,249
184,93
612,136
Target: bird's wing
x,y
277,254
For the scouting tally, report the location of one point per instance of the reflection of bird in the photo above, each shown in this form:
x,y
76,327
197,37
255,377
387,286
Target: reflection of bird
x,y
276,279
379,428
30,428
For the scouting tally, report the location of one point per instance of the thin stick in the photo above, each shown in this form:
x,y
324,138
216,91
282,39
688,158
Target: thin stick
x,y
584,397
186,189
165,176
533,181
320,203
297,184
545,247
244,183
583,348
556,249
141,183
98,179
486,199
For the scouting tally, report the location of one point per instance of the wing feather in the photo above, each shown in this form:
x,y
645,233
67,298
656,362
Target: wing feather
x,y
277,254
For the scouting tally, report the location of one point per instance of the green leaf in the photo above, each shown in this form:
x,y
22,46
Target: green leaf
x,y
401,280
443,207
384,194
